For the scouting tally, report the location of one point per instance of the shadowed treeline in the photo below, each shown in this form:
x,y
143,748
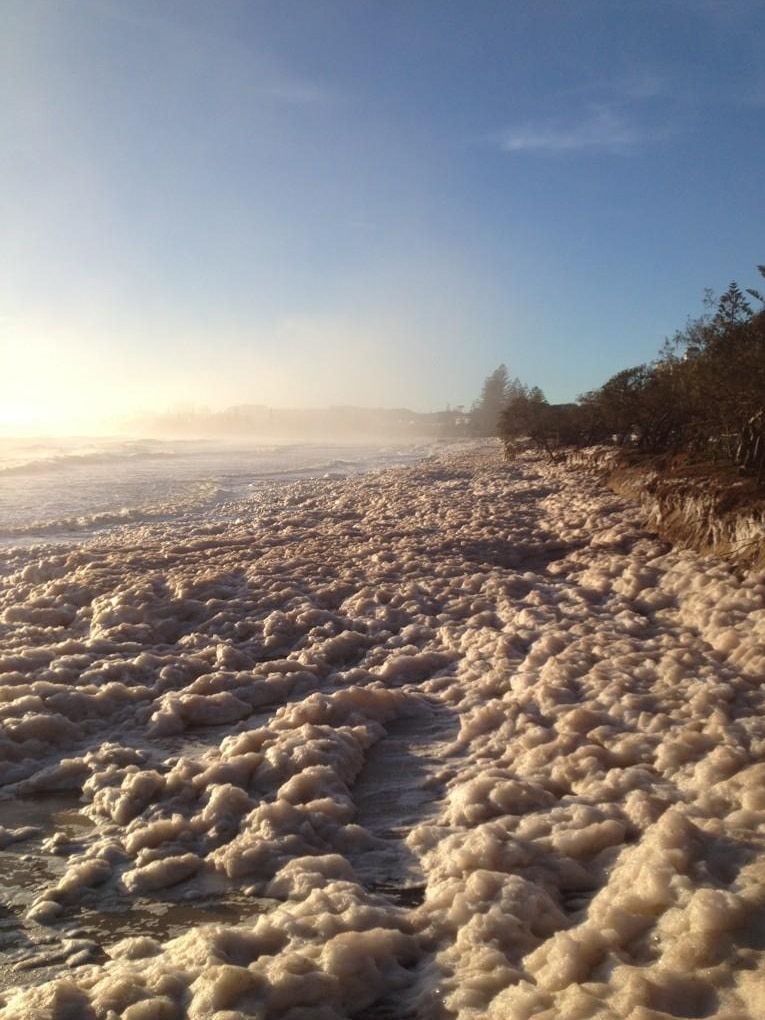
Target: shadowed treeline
x,y
703,396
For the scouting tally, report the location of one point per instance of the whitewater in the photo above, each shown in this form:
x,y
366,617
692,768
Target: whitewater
x,y
452,740
72,488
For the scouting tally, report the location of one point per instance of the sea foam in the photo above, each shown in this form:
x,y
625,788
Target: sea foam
x,y
454,741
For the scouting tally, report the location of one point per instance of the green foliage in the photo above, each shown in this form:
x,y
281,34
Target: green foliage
x,y
704,395
733,308
529,415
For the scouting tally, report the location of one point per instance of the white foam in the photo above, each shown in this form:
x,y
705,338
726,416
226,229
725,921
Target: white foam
x,y
480,679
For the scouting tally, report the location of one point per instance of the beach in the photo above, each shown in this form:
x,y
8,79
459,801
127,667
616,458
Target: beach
x,y
452,740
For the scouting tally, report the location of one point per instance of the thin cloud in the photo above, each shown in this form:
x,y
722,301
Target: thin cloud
x,y
602,129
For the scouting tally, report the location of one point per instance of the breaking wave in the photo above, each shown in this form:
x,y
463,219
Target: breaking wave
x,y
68,489
19,458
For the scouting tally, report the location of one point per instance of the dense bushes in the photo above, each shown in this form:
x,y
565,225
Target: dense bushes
x,y
704,395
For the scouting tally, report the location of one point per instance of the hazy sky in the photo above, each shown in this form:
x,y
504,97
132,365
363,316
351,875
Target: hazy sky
x,y
310,202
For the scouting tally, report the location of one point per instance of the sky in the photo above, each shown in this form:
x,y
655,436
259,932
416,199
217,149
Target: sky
x,y
316,202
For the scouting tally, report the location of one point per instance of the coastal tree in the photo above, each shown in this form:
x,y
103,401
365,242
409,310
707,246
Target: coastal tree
x,y
498,388
488,407
704,396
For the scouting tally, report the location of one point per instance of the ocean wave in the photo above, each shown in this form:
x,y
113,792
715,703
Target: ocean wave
x,y
85,522
73,459
69,489
203,493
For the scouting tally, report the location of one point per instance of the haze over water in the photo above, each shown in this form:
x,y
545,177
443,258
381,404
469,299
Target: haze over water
x,y
69,488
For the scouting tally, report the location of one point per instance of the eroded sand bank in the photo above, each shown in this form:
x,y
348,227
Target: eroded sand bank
x,y
454,741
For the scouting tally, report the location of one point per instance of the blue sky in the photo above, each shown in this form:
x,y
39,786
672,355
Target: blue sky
x,y
308,202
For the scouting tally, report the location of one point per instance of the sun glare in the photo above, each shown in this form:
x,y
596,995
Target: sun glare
x,y
25,419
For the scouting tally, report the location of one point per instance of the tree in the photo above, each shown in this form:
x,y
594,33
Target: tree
x,y
526,416
494,395
704,396
732,308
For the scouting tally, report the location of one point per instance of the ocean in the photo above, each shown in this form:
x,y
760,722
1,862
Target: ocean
x,y
69,489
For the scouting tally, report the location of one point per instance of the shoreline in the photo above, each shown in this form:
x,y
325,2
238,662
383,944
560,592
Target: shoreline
x,y
83,496
459,739
711,509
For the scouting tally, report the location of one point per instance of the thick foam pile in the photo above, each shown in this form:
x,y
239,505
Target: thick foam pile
x,y
453,741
